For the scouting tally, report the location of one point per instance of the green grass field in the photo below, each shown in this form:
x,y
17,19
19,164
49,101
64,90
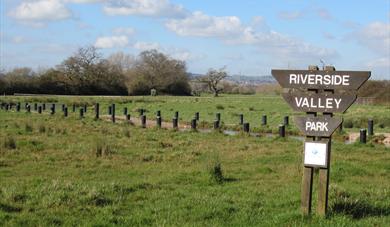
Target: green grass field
x,y
230,106
67,171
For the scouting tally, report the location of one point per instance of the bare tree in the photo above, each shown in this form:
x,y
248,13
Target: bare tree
x,y
124,61
213,79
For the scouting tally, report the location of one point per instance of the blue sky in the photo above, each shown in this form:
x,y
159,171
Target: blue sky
x,y
249,37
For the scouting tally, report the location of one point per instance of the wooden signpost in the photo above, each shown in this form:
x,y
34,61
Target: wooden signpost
x,y
317,91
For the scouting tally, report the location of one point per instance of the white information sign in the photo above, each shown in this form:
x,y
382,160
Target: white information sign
x,y
316,154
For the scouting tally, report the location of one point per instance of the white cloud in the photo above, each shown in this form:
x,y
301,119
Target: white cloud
x,y
154,8
41,10
375,36
200,24
142,46
111,41
230,30
124,31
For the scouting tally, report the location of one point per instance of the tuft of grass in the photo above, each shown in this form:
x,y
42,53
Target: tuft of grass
x,y
28,127
42,128
219,107
9,143
214,169
126,132
103,148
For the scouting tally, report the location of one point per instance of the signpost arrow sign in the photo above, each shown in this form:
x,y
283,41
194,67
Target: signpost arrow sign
x,y
318,126
313,102
329,80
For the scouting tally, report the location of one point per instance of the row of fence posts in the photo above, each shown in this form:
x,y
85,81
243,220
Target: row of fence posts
x,y
175,119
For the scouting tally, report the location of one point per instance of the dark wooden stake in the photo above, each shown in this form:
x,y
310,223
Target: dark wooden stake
x,y
370,127
197,116
264,120
285,120
216,124
193,124
241,119
66,111
363,135
81,113
113,113
158,121
218,116
282,130
97,110
174,123
143,121
246,127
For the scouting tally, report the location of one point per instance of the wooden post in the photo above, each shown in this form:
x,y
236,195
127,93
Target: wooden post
x,y
18,107
109,110
158,113
143,121
158,121
43,106
323,185
85,108
282,130
174,123
193,124
74,108
306,190
218,117
197,116
128,117
216,124
97,107
125,111
285,120
81,113
241,119
113,113
370,127
246,127
363,135
264,120
176,115
35,106
39,109
28,108
66,112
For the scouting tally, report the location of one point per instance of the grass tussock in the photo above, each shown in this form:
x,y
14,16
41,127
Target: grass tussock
x,y
9,143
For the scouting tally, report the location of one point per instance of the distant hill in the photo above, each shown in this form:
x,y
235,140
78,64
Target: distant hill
x,y
242,79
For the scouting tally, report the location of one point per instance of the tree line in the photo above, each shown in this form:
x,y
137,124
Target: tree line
x,y
87,73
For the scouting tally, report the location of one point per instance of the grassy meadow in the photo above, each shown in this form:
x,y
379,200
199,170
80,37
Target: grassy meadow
x,y
230,106
71,171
